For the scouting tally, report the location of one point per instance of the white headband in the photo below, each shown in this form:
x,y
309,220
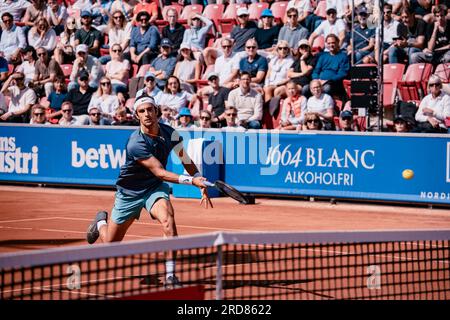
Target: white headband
x,y
143,100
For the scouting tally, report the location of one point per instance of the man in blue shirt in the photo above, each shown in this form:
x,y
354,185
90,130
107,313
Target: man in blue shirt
x,y
144,40
141,183
254,64
332,67
363,38
164,65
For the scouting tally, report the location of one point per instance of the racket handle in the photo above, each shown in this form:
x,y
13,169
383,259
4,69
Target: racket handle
x,y
208,184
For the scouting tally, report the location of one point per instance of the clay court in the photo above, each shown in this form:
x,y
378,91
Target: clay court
x,y
37,217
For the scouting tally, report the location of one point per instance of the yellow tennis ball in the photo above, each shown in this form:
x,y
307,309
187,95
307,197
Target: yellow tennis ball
x,y
408,174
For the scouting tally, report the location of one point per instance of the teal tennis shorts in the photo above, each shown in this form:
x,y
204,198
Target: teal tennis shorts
x,y
126,207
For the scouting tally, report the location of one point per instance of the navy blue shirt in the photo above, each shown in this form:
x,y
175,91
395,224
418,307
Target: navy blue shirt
x,y
135,180
362,36
56,99
258,64
150,39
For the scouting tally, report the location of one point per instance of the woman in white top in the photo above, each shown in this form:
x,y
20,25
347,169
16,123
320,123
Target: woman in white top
x,y
41,35
118,70
56,15
174,97
187,69
119,30
104,100
277,75
28,68
65,50
322,104
434,108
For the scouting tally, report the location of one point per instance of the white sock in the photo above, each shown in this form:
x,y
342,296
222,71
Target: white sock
x,y
101,223
170,268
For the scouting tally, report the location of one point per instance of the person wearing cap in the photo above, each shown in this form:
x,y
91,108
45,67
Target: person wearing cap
x,y
164,64
244,30
331,25
184,119
88,35
42,35
433,109
150,89
401,124
302,68
144,40
85,62
28,65
149,6
363,38
22,99
142,183
46,71
196,34
12,39
187,69
217,99
293,31
81,94
174,31
267,33
346,121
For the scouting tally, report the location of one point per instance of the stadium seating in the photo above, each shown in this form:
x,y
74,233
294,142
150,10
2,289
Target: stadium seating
x,y
393,71
214,12
279,10
256,9
321,9
413,87
443,72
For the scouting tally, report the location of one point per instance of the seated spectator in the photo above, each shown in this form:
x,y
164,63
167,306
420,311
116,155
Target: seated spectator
x,y
244,31
312,122
248,102
28,66
438,48
100,12
321,104
103,100
346,122
125,7
401,124
122,119
22,99
88,63
255,64
225,63
391,29
231,122
16,8
187,69
4,70
164,65
38,115
56,14
293,31
34,12
118,70
174,31
144,40
205,119
217,99
195,36
149,6
302,68
65,48
12,39
166,116
41,35
332,25
46,71
277,75
293,108
68,119
88,35
184,119
96,117
363,38
267,33
433,109
119,31
174,97
81,95
150,89
57,97
332,67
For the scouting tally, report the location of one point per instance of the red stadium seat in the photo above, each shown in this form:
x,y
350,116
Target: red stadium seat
x,y
318,44
214,12
177,7
321,9
231,10
414,85
443,72
256,9
279,10
389,93
189,9
67,69
142,70
393,71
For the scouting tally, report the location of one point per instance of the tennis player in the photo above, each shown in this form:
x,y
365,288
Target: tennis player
x,y
142,182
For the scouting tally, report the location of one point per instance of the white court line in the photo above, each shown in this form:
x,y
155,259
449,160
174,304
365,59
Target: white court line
x,y
26,220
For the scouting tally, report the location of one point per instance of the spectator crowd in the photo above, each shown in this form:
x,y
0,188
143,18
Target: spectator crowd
x,y
240,64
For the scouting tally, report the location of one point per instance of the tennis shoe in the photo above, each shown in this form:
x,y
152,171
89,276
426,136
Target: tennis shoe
x,y
92,232
172,282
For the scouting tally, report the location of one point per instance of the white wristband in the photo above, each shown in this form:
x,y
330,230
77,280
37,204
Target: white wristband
x,y
198,174
183,179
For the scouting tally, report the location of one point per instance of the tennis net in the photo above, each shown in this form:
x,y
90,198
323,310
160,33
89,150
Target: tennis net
x,y
228,266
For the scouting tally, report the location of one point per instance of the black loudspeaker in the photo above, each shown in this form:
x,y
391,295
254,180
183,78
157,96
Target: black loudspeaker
x,y
363,72
364,87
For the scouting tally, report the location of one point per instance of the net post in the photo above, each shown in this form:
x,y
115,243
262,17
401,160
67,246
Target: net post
x,y
219,263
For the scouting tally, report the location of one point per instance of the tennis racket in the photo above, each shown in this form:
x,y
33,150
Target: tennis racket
x,y
228,191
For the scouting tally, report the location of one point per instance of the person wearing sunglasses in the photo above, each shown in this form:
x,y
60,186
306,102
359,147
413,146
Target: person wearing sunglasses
x,y
187,69
433,109
321,104
293,31
12,39
65,48
174,31
267,33
16,8
22,99
38,115
144,41
312,121
243,31
68,119
46,71
150,6
231,119
119,31
196,34
305,12
150,89
204,119
118,70
96,118
104,100
42,35
88,35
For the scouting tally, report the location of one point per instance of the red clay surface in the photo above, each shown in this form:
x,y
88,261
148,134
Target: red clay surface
x,y
36,218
